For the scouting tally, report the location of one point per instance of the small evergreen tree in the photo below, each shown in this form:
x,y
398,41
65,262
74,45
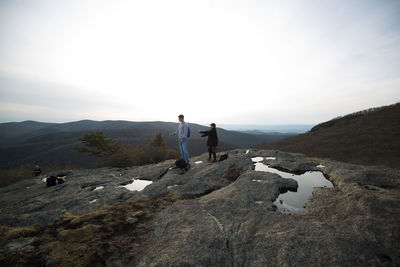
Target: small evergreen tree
x,y
116,155
156,151
120,159
97,144
103,145
158,142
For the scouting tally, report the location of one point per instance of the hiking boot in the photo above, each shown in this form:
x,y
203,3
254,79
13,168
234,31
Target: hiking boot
x,y
215,160
187,167
209,159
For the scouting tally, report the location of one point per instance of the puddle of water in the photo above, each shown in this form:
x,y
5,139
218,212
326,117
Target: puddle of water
x,y
247,151
198,162
320,166
137,185
98,188
172,186
292,202
257,159
286,208
93,201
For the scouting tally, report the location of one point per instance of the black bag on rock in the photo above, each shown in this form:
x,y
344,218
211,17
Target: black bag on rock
x,y
52,180
180,163
223,157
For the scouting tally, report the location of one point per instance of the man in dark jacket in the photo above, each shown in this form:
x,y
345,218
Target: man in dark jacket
x,y
212,141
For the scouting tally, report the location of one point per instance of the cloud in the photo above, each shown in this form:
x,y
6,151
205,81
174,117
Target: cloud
x,y
26,97
270,62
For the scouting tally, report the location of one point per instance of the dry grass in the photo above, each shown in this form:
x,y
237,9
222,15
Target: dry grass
x,y
92,238
8,233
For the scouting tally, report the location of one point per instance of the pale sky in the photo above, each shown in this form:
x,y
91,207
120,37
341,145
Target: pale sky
x,y
229,62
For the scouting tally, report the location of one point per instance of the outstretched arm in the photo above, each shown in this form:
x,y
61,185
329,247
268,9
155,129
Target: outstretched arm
x,y
204,132
174,133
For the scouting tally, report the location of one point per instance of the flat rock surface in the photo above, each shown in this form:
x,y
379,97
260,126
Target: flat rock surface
x,y
31,201
216,214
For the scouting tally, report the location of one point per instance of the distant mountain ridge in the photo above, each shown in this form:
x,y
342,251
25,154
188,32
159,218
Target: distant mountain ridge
x,y
31,142
369,137
270,128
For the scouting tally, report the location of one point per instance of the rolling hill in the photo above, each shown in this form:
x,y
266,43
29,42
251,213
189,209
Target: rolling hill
x,y
48,144
369,137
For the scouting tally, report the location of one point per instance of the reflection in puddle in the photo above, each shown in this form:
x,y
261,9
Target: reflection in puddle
x,y
198,162
93,201
137,185
320,166
98,188
257,159
292,202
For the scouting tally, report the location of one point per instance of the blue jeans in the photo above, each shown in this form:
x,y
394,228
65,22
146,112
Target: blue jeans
x,y
183,148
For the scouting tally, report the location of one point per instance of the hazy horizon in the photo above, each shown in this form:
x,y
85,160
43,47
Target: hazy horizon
x,y
229,62
282,128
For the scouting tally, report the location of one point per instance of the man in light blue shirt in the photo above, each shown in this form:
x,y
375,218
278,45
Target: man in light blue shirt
x,y
182,133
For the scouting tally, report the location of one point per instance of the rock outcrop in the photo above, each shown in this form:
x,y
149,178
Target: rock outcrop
x,y
216,214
